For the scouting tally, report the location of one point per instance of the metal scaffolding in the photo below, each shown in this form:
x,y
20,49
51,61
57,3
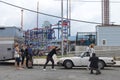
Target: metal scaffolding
x,y
39,37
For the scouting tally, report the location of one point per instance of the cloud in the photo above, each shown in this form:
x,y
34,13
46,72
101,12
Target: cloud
x,y
87,11
115,13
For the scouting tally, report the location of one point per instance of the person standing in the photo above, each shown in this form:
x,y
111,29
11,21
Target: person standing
x,y
29,59
23,54
50,58
94,64
17,55
91,49
26,55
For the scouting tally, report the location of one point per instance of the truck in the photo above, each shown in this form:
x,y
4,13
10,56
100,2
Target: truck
x,y
9,35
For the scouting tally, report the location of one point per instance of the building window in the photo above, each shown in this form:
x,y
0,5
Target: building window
x,y
104,42
85,38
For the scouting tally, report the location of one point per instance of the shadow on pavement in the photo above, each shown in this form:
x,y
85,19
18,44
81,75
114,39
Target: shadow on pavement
x,y
5,63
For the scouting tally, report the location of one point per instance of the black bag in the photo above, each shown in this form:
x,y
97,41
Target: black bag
x,y
30,63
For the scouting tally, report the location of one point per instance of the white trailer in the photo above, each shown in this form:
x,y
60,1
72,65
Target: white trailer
x,y
9,36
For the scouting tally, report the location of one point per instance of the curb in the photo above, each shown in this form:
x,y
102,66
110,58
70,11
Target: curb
x,y
41,62
43,65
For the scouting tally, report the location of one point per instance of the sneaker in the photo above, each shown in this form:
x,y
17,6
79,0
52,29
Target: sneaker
x,y
98,73
91,72
53,69
44,69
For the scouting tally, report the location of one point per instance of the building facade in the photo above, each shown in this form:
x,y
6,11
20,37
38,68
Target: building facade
x,y
108,35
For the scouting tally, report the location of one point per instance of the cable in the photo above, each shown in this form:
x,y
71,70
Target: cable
x,y
90,1
94,1
47,14
100,1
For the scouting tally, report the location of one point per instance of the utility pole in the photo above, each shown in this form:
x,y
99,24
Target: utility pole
x,y
22,19
69,22
37,23
37,14
67,45
62,45
70,17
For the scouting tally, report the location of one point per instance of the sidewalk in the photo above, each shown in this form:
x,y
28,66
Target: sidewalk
x,y
42,62
36,61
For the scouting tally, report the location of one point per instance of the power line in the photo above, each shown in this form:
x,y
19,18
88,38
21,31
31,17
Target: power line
x,y
100,1
90,1
47,14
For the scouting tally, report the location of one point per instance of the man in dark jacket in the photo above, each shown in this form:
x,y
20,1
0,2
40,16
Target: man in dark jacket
x,y
49,58
29,57
94,64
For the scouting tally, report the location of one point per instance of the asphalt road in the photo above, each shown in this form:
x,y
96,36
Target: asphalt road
x,y
8,72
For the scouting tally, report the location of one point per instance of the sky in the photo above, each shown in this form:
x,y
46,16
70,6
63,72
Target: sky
x,y
86,11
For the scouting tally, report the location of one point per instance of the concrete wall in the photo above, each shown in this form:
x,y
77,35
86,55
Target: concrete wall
x,y
101,50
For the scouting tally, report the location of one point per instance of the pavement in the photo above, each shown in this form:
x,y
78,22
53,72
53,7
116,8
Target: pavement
x,y
42,61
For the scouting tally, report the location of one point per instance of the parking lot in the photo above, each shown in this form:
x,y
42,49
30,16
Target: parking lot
x,y
8,72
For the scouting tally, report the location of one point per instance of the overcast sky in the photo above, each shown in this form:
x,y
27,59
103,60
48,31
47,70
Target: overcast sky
x,y
86,11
